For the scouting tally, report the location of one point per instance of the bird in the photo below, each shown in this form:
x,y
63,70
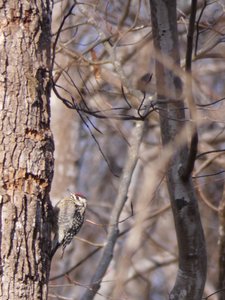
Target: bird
x,y
68,217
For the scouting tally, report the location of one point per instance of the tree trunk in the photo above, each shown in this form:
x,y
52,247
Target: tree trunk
x,y
221,243
26,154
192,253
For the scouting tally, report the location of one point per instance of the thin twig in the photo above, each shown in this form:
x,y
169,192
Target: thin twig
x,y
75,266
205,200
188,168
197,26
59,32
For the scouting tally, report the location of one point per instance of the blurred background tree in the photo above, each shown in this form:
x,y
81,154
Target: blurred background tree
x,y
105,119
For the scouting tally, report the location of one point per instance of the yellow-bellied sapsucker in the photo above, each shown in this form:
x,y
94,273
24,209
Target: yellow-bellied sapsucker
x,y
68,219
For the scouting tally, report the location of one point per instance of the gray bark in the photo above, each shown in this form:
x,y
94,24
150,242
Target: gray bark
x,y
26,149
192,253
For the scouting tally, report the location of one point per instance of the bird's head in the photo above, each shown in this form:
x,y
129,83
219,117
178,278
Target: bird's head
x,y
79,200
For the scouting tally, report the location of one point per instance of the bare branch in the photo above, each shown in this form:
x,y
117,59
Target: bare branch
x,y
107,254
189,165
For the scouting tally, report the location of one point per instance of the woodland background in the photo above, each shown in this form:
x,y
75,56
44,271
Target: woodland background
x,y
104,60
135,91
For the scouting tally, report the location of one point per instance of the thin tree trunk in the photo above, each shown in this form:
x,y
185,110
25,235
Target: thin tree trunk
x,y
221,242
26,154
192,253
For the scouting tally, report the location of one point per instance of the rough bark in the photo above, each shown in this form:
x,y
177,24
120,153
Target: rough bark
x,y
192,253
26,148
